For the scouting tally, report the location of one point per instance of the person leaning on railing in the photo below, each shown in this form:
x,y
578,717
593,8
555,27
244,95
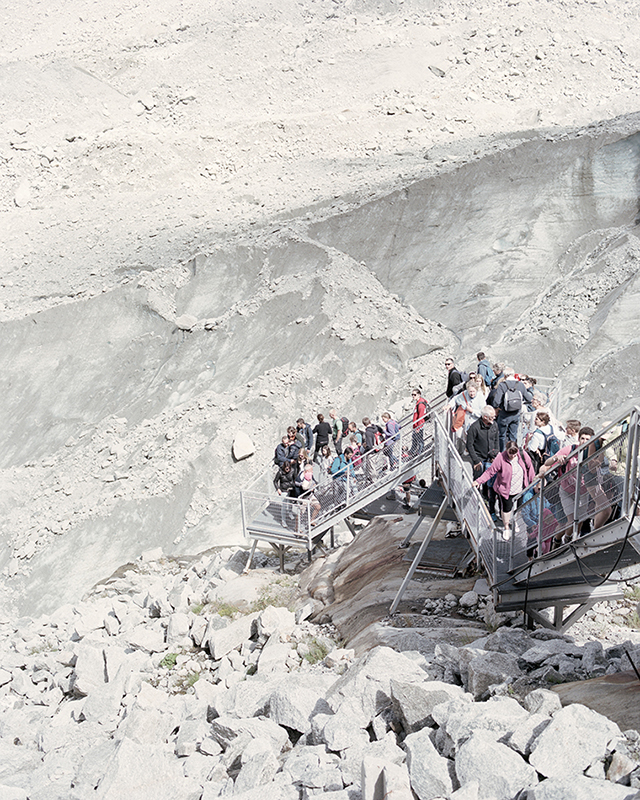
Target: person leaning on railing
x,y
566,459
513,472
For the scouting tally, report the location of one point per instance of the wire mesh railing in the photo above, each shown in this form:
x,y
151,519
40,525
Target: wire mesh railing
x,y
466,499
594,486
300,513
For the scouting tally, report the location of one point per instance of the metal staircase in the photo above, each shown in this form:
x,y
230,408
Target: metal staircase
x,y
302,522
550,558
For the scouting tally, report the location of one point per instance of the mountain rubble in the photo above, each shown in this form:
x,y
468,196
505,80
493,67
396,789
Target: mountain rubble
x,y
163,683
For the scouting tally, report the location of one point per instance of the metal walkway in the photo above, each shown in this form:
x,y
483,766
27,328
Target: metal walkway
x,y
553,555
302,522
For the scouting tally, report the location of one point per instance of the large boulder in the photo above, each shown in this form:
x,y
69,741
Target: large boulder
x,y
498,716
297,698
575,738
429,772
488,669
367,685
578,787
414,702
499,772
221,641
243,446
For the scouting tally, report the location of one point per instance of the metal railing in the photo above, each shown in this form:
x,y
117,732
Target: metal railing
x,y
463,496
552,510
264,510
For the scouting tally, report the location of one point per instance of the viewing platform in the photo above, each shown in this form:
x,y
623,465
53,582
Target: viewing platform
x,y
526,567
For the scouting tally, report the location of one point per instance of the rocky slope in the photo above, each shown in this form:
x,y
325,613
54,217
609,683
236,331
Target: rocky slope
x,y
159,685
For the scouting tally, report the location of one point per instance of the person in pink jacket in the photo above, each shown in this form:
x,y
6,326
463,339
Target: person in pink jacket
x,y
513,472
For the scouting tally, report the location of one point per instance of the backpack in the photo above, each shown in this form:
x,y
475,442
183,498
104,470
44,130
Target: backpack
x,y
487,374
551,444
378,440
395,430
338,464
345,425
357,456
512,398
423,415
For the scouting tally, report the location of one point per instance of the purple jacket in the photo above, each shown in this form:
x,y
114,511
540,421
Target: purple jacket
x,y
501,468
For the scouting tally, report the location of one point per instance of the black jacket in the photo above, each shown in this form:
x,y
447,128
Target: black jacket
x,y
454,379
481,440
370,436
323,432
305,436
285,481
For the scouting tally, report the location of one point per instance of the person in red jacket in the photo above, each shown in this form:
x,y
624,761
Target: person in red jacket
x,y
420,415
513,472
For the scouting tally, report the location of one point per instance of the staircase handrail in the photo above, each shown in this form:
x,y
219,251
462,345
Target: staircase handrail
x,y
546,491
386,464
462,494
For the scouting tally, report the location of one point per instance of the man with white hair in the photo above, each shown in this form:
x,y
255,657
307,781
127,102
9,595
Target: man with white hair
x,y
482,446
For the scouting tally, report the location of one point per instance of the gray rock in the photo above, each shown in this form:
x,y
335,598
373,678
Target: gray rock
x,y
542,701
259,766
142,771
277,789
197,630
186,322
524,736
111,624
372,778
509,640
469,599
428,770
249,698
414,702
499,772
342,730
488,669
220,642
190,736
103,705
578,787
498,716
225,729
297,698
243,446
304,761
12,793
306,610
396,783
621,767
274,621
593,656
543,650
575,737
467,792
178,626
367,684
273,658
146,638
209,746
90,669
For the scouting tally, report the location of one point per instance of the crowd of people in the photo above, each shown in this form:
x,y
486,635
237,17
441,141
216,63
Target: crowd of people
x,y
336,456
511,438
500,422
